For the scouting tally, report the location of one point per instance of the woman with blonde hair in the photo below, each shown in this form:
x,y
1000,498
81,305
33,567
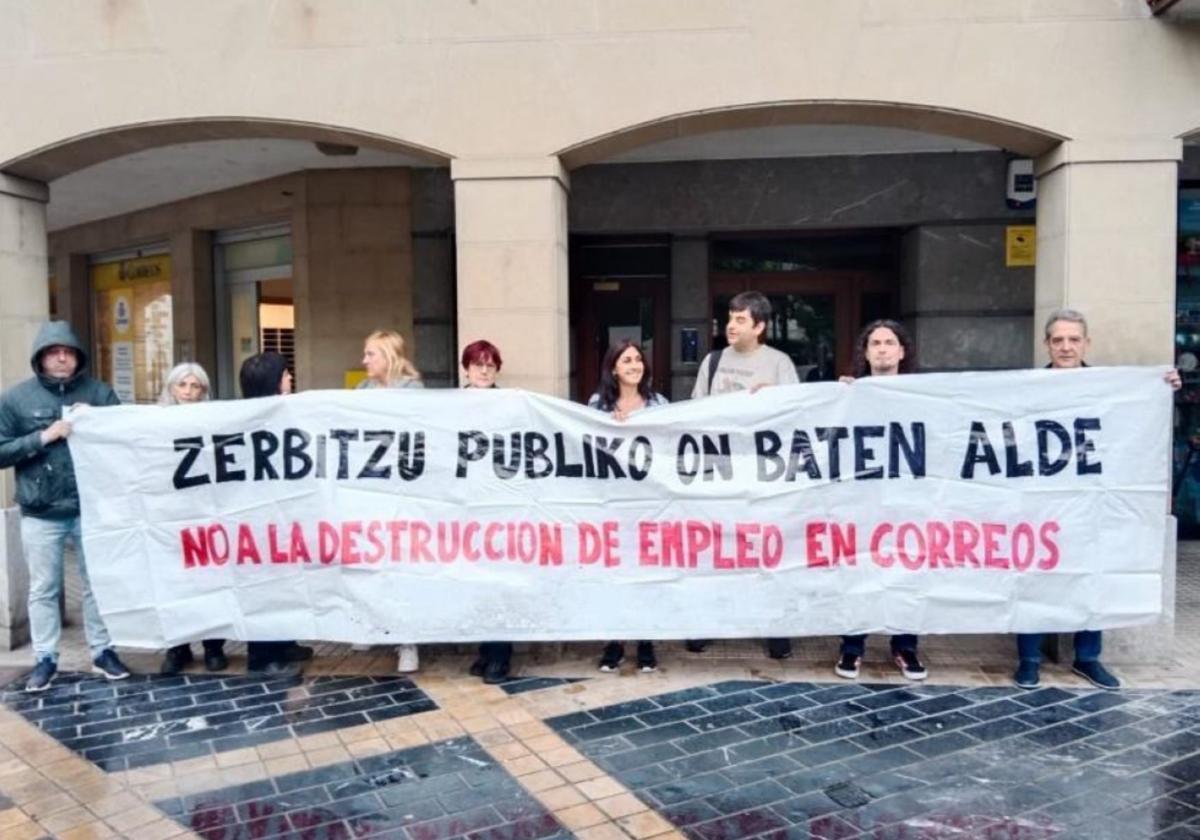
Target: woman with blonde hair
x,y
387,366
188,383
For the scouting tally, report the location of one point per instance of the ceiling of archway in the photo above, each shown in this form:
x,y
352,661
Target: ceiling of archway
x,y
797,141
168,173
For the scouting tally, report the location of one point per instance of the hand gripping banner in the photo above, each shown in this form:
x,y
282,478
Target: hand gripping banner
x,y
939,503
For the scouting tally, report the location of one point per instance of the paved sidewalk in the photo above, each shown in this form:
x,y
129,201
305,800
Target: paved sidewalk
x,y
727,744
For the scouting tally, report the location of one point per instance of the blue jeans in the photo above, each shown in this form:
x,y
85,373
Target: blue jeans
x,y
857,645
1087,646
44,542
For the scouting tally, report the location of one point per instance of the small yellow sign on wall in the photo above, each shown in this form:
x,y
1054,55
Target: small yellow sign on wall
x,y
1020,245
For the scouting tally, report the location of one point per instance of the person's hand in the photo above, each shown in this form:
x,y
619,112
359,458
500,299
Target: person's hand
x,y
845,380
757,386
1173,379
619,414
58,430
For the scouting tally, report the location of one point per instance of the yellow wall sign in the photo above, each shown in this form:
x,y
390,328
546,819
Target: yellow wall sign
x,y
1020,245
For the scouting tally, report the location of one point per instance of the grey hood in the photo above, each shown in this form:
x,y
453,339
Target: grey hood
x,y
57,332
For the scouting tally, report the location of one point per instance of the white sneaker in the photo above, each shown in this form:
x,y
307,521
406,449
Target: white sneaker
x,y
408,660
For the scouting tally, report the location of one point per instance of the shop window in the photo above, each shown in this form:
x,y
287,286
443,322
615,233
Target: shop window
x,y
131,325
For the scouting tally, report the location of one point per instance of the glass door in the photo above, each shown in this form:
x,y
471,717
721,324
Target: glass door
x,y
815,315
255,300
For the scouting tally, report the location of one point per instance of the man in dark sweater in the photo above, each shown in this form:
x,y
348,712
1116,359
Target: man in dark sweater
x,y
33,440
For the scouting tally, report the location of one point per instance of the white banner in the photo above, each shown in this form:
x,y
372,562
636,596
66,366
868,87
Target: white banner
x,y
969,502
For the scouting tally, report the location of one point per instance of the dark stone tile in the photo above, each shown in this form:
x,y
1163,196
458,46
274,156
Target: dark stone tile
x,y
887,783
694,787
687,695
730,686
522,686
878,762
1178,745
620,710
875,739
720,720
883,699
941,744
658,734
738,826
687,813
994,709
806,781
944,703
770,767
1043,697
607,728
1107,721
775,692
826,753
571,721
1048,715
711,740
750,796
1055,735
945,722
832,730
673,714
993,730
654,754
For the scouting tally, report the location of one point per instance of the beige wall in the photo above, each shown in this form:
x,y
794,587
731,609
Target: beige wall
x,y
527,78
353,269
352,260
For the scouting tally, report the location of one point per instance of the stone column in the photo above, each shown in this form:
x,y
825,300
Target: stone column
x,y
1106,245
1106,219
511,232
24,305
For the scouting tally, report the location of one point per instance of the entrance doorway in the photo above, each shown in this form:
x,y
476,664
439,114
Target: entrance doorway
x,y
822,289
814,319
255,300
620,289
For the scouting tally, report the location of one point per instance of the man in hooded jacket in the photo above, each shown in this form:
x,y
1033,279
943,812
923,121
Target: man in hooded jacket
x,y
33,440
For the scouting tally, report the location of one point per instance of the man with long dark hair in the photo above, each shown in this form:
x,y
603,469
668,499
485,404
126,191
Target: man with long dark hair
x,y
883,348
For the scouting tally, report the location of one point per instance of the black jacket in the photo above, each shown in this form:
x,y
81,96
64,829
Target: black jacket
x,y
45,475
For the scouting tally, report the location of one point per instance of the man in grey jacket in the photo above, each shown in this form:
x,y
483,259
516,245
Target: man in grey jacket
x,y
33,440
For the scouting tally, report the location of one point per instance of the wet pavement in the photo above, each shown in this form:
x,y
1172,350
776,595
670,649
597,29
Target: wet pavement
x,y
674,754
725,744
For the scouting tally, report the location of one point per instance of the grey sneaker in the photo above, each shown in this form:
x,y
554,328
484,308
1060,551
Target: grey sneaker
x,y
42,675
109,665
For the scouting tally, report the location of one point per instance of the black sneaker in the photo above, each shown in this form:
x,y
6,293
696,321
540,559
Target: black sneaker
x,y
41,676
109,665
176,659
779,648
215,660
1097,675
1027,675
696,645
495,672
910,666
847,666
646,660
614,653
477,668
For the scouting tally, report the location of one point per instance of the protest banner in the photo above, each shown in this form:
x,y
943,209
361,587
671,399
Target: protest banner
x,y
939,503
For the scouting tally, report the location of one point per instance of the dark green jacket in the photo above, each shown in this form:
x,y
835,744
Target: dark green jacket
x,y
45,475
